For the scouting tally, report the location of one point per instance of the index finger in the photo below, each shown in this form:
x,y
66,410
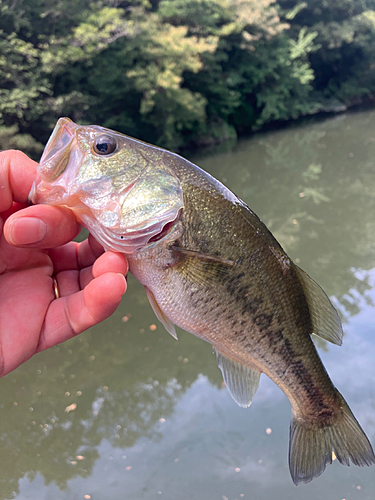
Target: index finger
x,y
17,173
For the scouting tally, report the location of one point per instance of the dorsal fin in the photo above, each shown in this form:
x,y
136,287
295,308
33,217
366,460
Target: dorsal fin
x,y
325,320
242,382
168,325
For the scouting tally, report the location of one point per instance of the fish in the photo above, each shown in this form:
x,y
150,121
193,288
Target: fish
x,y
210,266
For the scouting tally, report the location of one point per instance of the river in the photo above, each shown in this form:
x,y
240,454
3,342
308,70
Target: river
x,y
126,412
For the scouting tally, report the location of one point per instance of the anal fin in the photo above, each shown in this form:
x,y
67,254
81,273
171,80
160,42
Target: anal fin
x,y
242,382
168,325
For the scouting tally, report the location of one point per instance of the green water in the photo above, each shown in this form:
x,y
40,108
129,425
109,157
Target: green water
x,y
125,412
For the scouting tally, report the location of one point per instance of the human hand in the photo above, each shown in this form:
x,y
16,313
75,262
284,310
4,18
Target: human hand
x,y
35,248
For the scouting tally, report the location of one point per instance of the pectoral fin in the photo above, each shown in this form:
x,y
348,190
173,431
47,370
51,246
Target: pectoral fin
x,y
168,325
204,269
203,256
242,382
325,320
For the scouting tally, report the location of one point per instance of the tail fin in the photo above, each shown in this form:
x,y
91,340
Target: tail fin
x,y
311,446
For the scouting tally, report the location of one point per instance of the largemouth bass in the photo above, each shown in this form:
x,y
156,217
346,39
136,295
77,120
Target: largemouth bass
x,y
210,266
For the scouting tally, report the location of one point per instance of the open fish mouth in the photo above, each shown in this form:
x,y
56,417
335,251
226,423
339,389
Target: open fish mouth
x,y
49,185
58,146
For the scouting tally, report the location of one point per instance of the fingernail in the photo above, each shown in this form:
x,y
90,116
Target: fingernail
x,y
125,283
27,230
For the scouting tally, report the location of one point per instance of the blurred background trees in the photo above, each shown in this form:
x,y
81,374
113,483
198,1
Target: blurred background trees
x,y
179,73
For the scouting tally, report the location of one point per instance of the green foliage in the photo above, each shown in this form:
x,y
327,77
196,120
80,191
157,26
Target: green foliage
x,y
165,52
284,91
178,73
345,35
10,138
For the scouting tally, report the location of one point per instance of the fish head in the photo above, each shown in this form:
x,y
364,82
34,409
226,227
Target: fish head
x,y
122,190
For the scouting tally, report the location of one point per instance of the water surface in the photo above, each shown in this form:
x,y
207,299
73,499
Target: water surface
x,y
126,412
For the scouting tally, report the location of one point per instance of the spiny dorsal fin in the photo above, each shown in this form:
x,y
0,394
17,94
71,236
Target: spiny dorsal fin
x,y
242,382
325,320
168,325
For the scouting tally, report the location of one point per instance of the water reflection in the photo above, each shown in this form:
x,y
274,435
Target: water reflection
x,y
89,391
125,411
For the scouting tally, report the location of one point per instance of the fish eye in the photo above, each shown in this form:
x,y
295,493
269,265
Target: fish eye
x,y
104,145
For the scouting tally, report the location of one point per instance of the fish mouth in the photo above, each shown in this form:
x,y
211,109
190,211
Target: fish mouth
x,y
59,144
48,183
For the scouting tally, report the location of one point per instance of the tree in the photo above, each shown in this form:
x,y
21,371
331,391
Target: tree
x,y
345,36
179,73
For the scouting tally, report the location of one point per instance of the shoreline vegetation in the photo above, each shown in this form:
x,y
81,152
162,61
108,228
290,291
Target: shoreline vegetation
x,y
182,75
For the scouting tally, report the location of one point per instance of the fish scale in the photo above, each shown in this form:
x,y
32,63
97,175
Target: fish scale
x,y
210,266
